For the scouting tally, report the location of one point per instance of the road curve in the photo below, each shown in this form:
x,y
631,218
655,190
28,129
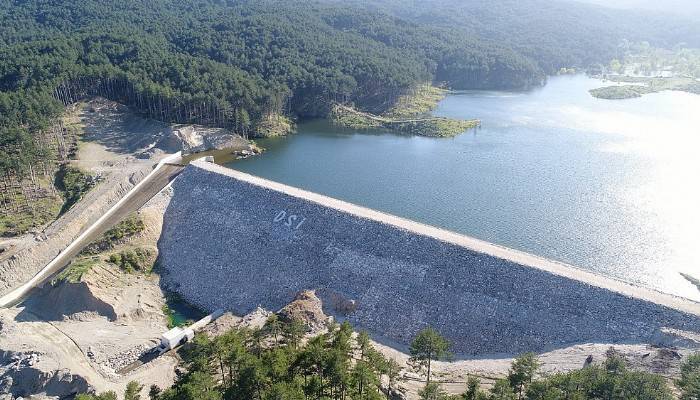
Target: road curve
x,y
166,170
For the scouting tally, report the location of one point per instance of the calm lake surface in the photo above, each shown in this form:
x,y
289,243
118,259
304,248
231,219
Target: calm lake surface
x,y
608,186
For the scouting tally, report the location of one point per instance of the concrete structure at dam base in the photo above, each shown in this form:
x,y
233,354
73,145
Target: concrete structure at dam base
x,y
233,241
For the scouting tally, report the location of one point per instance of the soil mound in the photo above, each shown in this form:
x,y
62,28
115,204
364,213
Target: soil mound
x,y
67,301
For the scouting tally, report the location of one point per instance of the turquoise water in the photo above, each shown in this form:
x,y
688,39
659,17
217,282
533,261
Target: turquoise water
x,y
182,313
608,186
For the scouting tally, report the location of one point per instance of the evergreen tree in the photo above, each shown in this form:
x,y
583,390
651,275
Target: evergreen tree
x,y
472,392
432,391
522,372
154,392
133,390
293,332
689,382
502,390
427,346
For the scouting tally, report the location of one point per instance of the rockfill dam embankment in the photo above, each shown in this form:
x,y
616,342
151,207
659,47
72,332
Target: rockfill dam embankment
x,y
236,242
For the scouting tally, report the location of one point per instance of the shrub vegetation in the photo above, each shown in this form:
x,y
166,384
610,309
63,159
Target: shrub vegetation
x,y
272,363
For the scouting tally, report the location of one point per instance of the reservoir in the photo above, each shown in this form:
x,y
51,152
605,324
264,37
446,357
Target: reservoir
x,y
607,186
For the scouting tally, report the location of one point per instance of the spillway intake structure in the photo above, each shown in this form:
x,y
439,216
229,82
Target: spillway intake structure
x,y
234,241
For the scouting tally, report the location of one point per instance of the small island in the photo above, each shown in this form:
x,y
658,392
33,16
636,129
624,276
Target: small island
x,y
620,92
646,69
641,85
410,115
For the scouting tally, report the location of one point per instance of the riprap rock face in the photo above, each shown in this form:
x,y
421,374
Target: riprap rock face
x,y
235,243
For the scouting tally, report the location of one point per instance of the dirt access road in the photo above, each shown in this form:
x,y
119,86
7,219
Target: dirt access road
x,y
164,172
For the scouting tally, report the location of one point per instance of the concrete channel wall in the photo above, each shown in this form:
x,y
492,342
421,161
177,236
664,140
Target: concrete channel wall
x,y
235,242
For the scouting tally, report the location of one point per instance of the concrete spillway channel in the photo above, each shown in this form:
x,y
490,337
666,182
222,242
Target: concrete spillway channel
x,y
164,172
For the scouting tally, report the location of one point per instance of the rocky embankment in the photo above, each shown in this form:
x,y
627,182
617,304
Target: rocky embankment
x,y
196,139
232,244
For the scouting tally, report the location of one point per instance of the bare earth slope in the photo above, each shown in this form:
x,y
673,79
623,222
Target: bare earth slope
x,y
84,332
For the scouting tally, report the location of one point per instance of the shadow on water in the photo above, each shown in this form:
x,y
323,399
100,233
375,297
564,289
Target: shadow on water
x,y
180,312
177,309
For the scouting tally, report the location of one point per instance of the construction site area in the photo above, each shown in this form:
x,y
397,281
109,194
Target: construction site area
x,y
148,258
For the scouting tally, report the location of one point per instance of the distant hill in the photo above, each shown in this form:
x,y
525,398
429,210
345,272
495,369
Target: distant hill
x,y
686,8
553,33
238,64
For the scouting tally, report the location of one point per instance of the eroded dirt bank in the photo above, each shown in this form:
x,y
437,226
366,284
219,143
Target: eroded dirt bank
x,y
99,315
85,329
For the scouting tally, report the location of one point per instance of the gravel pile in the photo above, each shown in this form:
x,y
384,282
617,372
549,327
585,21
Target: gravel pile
x,y
233,245
120,360
307,308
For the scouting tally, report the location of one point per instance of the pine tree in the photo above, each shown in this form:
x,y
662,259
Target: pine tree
x,y
427,346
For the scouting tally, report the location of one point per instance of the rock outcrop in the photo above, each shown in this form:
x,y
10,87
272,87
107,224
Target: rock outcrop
x,y
196,139
19,377
306,308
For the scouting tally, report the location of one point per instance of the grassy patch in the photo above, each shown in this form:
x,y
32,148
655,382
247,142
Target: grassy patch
x,y
439,127
274,125
170,316
74,183
43,205
41,211
134,260
75,271
125,229
420,101
353,120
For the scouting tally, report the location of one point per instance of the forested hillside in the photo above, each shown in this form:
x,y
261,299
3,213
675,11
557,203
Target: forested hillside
x,y
234,63
677,7
553,34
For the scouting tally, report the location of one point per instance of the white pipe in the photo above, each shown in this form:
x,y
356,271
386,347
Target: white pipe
x,y
206,320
